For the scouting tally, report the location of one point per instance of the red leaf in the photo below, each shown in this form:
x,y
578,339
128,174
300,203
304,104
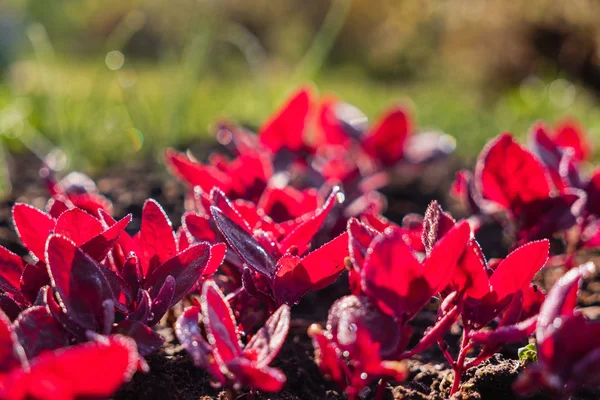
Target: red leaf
x,y
266,343
189,335
326,357
516,271
34,277
163,300
219,200
94,369
471,275
265,379
11,269
99,246
186,267
350,312
33,227
397,281
195,173
219,323
78,279
332,130
440,266
509,175
385,141
38,331
306,231
392,276
10,307
56,206
436,223
77,225
11,354
561,299
156,238
249,250
217,255
199,226
570,135
294,276
60,315
284,204
285,129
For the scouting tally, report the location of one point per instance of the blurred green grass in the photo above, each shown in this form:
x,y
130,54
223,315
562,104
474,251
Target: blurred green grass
x,y
100,117
76,84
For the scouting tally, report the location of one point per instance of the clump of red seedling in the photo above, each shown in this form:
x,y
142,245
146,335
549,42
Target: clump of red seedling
x,y
367,332
94,369
220,350
277,265
512,183
245,177
483,292
537,193
308,143
568,344
94,277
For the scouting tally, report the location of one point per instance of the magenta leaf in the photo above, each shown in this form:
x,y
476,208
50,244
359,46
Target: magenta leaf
x,y
188,333
99,246
77,225
163,299
220,323
156,238
249,250
266,343
247,373
186,268
79,282
302,236
33,227
38,331
12,354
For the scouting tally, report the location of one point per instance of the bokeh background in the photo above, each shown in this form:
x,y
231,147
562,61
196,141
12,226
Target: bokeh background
x,y
87,84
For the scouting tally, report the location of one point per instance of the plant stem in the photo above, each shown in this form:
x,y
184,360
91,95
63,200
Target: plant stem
x,y
459,366
444,348
381,386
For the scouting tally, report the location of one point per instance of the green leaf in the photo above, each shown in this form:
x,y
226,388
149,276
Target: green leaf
x,y
528,353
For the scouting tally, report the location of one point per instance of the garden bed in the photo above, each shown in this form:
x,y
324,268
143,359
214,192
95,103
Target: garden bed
x,y
172,374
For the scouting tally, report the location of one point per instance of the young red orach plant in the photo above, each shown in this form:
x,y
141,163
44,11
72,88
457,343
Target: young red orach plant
x,y
94,277
538,193
308,143
277,269
367,332
483,292
568,344
221,352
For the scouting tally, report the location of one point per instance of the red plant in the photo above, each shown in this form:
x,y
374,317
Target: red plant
x,y
512,181
245,177
95,369
221,352
99,278
568,344
273,267
483,294
367,332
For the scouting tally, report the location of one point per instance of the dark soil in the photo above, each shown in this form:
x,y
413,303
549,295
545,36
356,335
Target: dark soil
x,y
172,374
